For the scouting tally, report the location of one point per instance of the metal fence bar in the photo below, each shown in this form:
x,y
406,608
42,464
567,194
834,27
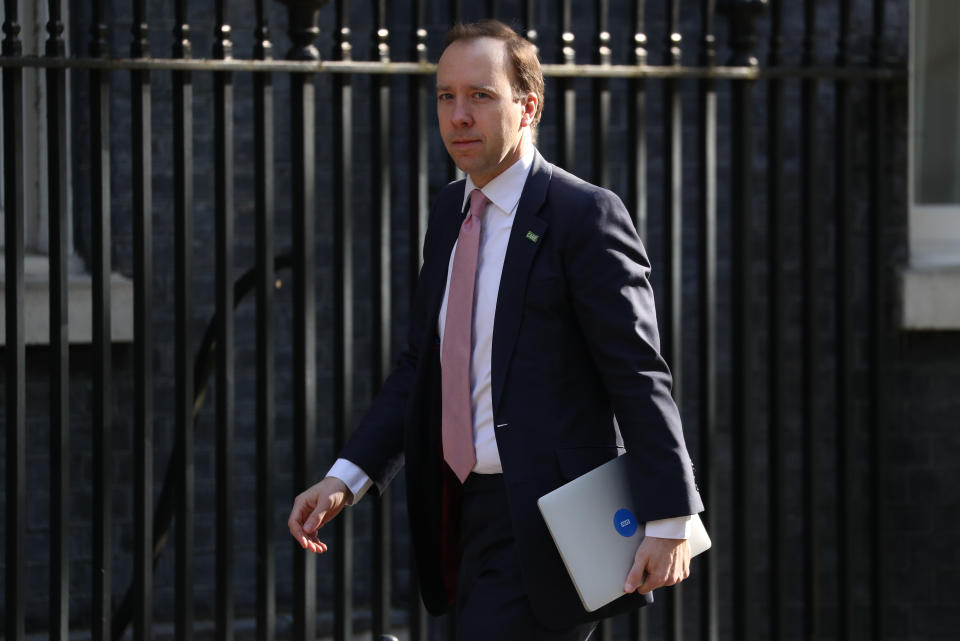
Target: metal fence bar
x,y
877,312
637,127
672,329
637,628
567,104
143,336
59,251
183,318
776,444
810,229
529,12
742,15
879,329
381,299
14,349
707,293
342,258
102,419
601,97
225,350
845,420
550,70
418,96
264,187
302,29
456,17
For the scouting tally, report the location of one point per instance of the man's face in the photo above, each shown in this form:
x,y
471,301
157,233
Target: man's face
x,y
481,123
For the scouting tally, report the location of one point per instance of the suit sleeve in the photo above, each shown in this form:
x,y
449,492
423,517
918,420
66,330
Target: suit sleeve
x,y
608,273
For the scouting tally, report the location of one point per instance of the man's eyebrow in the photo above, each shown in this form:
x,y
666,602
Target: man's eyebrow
x,y
487,88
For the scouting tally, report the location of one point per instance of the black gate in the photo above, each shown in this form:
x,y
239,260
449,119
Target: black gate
x,y
758,185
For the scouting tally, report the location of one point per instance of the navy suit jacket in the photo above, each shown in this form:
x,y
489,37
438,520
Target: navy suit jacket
x,y
576,376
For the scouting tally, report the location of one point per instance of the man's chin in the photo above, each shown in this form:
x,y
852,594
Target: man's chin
x,y
463,164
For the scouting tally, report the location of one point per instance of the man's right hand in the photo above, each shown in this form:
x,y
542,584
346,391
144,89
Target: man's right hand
x,y
314,508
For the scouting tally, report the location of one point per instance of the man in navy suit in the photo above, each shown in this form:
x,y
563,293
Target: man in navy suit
x,y
564,372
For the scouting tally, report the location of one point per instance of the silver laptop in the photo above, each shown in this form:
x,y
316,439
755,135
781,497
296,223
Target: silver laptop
x,y
592,522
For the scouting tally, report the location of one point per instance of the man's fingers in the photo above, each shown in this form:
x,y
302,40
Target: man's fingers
x,y
311,509
652,580
304,504
305,535
658,562
295,522
313,522
637,574
314,508
663,577
315,545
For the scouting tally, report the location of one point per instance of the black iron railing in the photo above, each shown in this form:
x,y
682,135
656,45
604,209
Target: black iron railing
x,y
730,611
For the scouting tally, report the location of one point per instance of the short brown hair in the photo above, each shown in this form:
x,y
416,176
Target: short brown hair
x,y
527,74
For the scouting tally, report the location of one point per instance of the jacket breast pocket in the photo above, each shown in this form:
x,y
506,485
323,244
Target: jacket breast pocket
x,y
546,286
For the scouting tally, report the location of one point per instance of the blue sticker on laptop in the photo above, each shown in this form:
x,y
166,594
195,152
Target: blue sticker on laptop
x,y
625,523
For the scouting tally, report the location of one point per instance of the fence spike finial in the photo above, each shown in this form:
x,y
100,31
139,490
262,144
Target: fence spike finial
x,y
12,45
743,15
302,16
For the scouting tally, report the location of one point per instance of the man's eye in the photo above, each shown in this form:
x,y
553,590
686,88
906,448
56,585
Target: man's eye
x,y
481,95
443,96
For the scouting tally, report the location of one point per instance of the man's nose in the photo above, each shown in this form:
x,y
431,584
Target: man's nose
x,y
461,113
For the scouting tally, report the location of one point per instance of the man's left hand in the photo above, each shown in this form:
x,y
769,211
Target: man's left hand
x,y
658,562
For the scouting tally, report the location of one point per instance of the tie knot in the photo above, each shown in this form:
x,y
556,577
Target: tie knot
x,y
478,203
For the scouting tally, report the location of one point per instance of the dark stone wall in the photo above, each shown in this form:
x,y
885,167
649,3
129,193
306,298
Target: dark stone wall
x,y
921,487
921,371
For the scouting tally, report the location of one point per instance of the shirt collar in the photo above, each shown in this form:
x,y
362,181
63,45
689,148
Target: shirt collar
x,y
505,189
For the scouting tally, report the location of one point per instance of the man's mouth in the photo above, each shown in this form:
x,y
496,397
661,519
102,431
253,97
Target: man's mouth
x,y
461,143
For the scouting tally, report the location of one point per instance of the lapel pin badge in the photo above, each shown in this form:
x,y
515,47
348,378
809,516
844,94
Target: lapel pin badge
x,y
532,237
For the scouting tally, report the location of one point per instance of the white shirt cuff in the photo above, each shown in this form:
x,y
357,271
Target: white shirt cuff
x,y
352,476
675,528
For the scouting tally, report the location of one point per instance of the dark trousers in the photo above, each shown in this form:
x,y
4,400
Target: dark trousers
x,y
491,603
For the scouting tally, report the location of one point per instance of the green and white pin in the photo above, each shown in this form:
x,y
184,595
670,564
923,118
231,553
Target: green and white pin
x,y
532,237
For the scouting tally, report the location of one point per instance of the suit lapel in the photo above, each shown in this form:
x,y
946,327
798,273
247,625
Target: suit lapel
x,y
525,240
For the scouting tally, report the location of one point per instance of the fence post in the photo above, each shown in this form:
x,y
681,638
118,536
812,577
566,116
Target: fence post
x,y
266,374
102,407
303,30
183,315
707,277
810,391
142,170
742,15
59,357
776,362
381,298
343,288
15,357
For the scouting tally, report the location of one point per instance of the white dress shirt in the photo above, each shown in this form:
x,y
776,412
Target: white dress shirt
x,y
503,192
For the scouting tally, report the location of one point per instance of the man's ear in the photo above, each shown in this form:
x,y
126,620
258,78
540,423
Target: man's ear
x,y
529,109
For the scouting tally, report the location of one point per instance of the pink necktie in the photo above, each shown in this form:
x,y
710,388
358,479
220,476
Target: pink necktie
x,y
457,415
